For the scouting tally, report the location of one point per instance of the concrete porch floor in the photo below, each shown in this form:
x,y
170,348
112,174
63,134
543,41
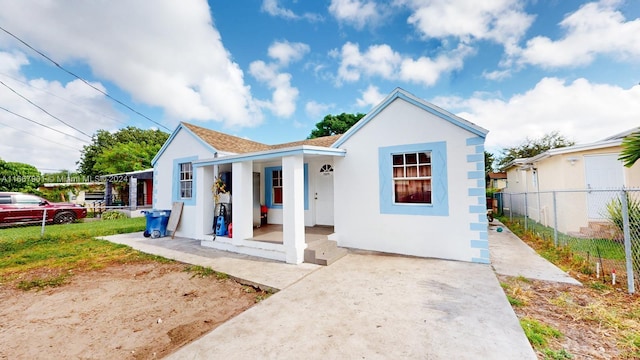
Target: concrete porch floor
x,y
272,233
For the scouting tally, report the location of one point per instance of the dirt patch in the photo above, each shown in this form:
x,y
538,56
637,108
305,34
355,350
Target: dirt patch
x,y
596,323
132,311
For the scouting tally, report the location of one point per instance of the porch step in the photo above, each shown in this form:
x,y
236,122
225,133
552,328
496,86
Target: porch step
x,y
323,252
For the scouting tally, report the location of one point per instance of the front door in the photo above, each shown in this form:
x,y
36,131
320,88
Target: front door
x,y
602,172
324,195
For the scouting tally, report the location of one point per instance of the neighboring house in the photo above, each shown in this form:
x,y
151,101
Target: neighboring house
x,y
576,173
132,189
408,178
497,180
81,193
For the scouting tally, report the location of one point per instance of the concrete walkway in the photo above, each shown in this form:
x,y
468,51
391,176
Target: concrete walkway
x,y
260,272
511,256
367,305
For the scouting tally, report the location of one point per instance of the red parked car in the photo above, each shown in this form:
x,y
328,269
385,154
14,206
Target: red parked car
x,y
18,208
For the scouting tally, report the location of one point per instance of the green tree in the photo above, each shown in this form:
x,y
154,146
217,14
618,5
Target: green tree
x,y
488,162
15,176
533,147
630,149
130,144
124,157
335,124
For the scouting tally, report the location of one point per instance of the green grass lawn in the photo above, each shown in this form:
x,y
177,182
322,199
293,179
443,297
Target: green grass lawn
x,y
608,249
32,260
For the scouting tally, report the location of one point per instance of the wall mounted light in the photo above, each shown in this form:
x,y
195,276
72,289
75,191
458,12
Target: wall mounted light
x,y
572,160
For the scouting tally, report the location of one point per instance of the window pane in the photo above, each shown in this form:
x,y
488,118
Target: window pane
x,y
425,170
424,158
398,172
398,159
277,196
412,191
412,171
411,158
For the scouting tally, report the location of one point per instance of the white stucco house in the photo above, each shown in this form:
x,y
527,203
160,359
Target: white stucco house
x,y
408,178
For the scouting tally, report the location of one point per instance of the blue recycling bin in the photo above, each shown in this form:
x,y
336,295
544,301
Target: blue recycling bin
x,y
157,221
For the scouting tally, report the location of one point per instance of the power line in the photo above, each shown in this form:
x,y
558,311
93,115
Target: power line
x,y
48,127
62,98
83,80
43,110
34,135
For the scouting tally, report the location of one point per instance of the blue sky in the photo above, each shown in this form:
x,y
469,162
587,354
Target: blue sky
x,y
268,70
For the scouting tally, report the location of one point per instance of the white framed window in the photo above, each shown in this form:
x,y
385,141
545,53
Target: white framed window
x,y
412,178
186,180
276,187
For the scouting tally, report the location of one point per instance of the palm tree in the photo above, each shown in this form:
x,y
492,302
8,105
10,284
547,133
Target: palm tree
x,y
630,149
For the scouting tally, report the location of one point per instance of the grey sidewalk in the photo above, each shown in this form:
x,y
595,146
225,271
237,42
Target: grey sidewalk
x,y
372,306
511,256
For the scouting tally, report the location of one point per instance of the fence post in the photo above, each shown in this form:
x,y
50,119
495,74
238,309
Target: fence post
x,y
511,207
555,220
526,209
44,221
627,240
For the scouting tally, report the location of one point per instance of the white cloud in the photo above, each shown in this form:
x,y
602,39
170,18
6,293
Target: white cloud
x,y
46,146
286,52
595,28
355,12
273,8
370,97
167,55
283,99
315,110
581,110
502,21
384,62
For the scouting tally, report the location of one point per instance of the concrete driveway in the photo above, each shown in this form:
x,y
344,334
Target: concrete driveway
x,y
372,306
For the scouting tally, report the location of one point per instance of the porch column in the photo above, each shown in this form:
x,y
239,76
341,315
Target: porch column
x,y
204,202
293,208
242,201
133,193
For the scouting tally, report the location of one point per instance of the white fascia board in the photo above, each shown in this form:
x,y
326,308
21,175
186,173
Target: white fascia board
x,y
272,154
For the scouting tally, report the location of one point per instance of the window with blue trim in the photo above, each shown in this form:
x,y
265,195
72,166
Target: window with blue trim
x,y
186,180
412,178
276,186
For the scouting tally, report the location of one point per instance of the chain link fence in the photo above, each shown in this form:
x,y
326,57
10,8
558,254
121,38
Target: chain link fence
x,y
41,216
600,225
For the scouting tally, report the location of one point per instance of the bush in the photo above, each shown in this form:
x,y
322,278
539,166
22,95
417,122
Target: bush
x,y
113,215
614,214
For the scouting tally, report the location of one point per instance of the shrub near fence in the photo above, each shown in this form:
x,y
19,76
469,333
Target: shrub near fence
x,y
600,225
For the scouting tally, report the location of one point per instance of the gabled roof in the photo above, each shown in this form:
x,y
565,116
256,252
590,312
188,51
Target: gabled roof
x,y
497,175
399,93
220,142
225,142
622,135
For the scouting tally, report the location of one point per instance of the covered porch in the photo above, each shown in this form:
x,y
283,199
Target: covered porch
x,y
285,237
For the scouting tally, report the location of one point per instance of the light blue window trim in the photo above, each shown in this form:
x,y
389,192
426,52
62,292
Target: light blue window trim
x,y
476,192
268,192
439,182
175,183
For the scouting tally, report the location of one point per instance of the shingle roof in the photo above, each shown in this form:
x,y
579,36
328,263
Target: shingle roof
x,y
224,142
233,144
